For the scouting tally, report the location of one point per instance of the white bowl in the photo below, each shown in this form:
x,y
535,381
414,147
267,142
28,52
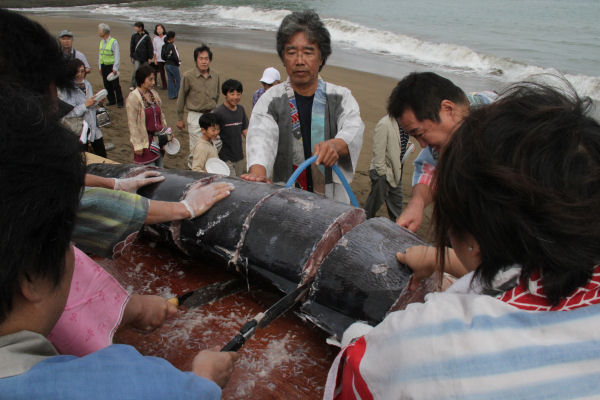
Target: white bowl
x,y
100,95
172,147
112,76
217,166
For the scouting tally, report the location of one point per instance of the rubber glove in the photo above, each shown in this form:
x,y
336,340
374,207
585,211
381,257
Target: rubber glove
x,y
202,197
132,184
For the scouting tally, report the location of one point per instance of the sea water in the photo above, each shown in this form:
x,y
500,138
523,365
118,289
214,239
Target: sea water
x,y
480,44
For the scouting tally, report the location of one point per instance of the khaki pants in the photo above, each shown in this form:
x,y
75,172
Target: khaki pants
x,y
236,168
382,191
194,131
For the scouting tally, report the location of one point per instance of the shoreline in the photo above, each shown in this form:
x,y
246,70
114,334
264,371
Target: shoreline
x,y
263,41
52,3
393,56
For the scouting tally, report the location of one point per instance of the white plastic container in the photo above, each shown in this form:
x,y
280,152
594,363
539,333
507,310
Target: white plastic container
x,y
217,166
112,76
172,147
100,95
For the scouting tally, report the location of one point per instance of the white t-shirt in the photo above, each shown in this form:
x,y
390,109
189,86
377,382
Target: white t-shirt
x,y
158,43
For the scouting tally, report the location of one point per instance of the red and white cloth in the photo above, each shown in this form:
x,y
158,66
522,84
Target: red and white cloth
x,y
529,295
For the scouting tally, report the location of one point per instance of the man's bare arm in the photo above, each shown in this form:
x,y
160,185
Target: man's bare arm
x,y
412,216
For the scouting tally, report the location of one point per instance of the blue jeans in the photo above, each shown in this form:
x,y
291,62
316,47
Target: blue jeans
x,y
173,79
136,66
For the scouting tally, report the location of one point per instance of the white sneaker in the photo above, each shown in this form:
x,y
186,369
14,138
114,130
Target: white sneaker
x,y
131,88
109,146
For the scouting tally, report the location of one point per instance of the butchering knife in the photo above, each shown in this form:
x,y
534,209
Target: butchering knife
x,y
263,319
209,293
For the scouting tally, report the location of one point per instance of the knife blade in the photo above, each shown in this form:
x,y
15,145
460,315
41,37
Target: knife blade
x,y
207,294
283,305
263,319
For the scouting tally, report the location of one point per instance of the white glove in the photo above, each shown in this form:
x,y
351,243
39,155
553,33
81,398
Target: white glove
x,y
202,197
132,184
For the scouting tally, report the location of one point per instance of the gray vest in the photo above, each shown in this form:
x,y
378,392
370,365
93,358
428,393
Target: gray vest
x,y
280,111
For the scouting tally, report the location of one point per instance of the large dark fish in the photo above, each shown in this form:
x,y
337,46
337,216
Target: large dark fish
x,y
290,236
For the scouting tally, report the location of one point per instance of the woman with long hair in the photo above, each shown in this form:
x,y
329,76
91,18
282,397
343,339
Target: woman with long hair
x,y
517,196
81,96
158,63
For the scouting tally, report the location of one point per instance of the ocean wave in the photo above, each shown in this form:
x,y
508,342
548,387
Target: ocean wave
x,y
349,34
263,19
448,55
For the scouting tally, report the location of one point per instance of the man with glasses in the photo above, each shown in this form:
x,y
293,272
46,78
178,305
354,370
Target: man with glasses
x,y
304,115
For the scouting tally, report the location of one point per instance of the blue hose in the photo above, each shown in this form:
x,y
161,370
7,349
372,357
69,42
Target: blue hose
x,y
311,160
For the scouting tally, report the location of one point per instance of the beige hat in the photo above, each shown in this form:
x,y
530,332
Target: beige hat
x,y
270,75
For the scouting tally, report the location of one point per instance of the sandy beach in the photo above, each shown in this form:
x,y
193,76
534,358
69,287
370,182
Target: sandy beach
x,y
371,91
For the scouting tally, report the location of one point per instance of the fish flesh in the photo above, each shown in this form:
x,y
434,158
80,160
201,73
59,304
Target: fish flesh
x,y
289,237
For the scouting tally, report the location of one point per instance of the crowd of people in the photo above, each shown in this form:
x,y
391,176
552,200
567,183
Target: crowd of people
x,y
514,179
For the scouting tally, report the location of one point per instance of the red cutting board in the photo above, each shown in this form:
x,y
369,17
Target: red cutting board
x,y
289,359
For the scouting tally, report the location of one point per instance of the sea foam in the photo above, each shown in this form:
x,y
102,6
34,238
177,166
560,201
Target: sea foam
x,y
454,57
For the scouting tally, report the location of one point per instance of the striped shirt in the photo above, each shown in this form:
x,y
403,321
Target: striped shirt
x,y
106,217
471,346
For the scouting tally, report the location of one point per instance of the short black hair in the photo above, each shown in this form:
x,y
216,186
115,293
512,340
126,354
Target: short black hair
x,y
37,61
522,176
423,93
170,35
207,120
201,49
231,85
139,24
163,28
142,73
306,21
42,172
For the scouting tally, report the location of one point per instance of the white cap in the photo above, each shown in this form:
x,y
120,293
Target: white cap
x,y
270,75
65,32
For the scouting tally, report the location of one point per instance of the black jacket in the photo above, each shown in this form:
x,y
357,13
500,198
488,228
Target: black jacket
x,y
145,50
169,55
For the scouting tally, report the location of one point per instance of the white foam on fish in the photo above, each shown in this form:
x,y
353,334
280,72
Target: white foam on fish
x,y
212,224
379,268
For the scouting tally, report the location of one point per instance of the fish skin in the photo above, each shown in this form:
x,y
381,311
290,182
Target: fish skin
x,y
289,237
361,278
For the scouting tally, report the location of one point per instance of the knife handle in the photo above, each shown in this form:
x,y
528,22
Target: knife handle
x,y
238,341
174,301
235,344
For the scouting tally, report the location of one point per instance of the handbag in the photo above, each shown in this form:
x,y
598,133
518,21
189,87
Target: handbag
x,y
151,154
73,124
102,117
